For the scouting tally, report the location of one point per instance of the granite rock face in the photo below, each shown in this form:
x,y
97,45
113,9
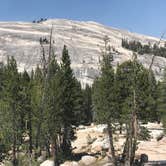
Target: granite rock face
x,y
83,39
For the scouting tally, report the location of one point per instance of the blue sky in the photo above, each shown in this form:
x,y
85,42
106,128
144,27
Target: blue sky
x,y
141,16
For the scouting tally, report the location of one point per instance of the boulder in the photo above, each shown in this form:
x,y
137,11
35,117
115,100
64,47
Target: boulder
x,y
102,128
47,163
108,164
68,163
40,159
81,127
88,160
163,140
96,148
5,163
100,144
90,140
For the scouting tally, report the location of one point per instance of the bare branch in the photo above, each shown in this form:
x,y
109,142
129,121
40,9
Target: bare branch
x,y
50,45
153,58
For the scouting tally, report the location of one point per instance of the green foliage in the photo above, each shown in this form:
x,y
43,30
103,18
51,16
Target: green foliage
x,y
67,88
46,104
78,104
13,97
25,160
103,90
136,46
129,76
161,100
42,106
144,134
87,104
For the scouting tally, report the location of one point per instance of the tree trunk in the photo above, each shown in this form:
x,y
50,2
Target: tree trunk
x,y
55,152
133,151
120,128
21,127
128,147
125,150
37,141
14,160
110,134
30,134
135,131
47,144
66,144
132,136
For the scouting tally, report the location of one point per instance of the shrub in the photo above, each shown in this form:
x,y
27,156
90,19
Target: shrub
x,y
144,134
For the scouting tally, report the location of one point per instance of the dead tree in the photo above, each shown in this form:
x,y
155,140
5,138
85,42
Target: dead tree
x,y
45,61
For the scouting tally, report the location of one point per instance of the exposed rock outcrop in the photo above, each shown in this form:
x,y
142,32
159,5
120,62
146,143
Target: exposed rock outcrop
x,y
88,160
83,39
47,163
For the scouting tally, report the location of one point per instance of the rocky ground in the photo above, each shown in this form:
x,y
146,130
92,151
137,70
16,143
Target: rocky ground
x,y
91,147
156,150
93,143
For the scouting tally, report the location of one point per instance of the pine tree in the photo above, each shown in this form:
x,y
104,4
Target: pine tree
x,y
26,107
67,100
79,116
103,95
161,100
87,105
5,126
136,94
54,114
145,90
36,97
13,98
